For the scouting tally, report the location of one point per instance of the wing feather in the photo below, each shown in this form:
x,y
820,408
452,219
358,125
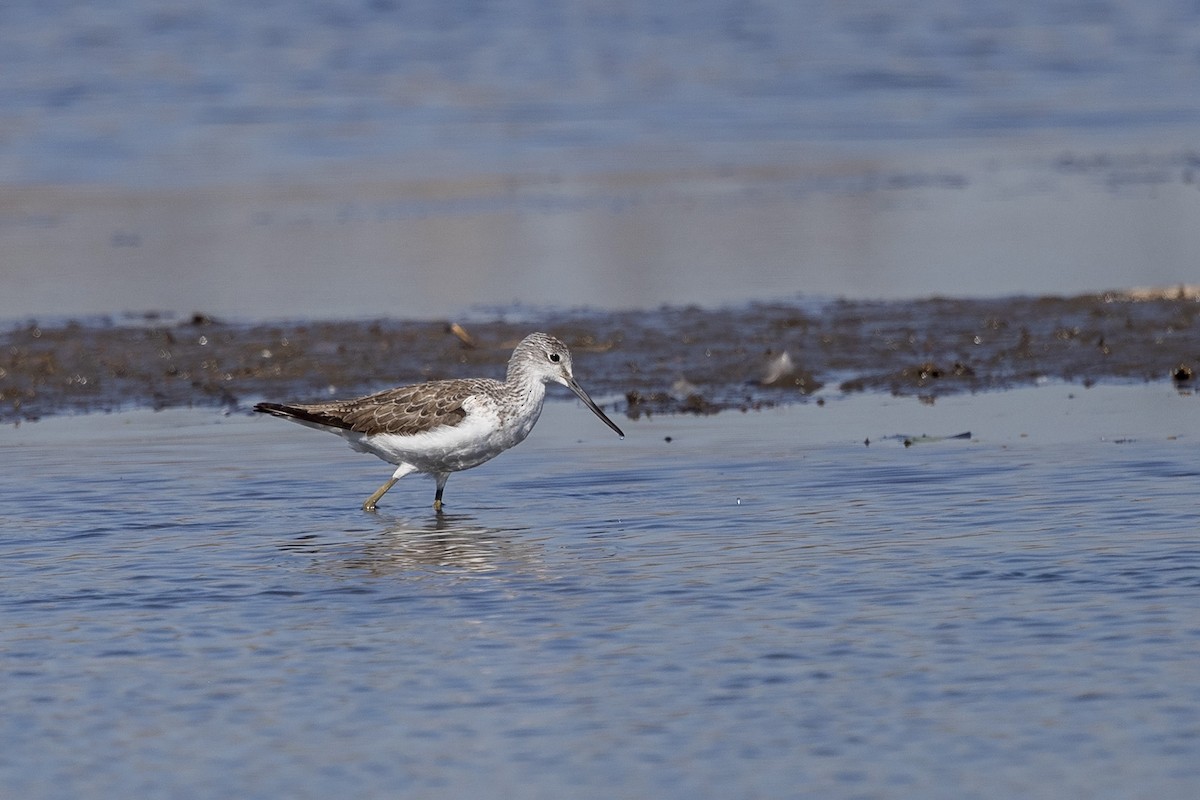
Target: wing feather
x,y
404,411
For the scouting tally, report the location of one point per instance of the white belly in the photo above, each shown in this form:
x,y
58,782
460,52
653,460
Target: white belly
x,y
480,437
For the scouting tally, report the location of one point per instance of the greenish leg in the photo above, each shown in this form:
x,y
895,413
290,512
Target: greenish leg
x,y
369,503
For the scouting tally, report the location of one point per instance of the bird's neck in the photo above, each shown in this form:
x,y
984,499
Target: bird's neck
x,y
529,395
529,388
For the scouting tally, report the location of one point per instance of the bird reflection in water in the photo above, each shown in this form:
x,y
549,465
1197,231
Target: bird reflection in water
x,y
445,542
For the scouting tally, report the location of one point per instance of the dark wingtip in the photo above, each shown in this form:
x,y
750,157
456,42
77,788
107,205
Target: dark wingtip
x,y
301,414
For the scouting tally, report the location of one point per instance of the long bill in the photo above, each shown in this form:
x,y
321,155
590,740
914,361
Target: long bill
x,y
587,401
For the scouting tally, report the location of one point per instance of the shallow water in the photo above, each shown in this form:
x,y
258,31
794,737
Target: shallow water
x,y
351,159
135,93
751,605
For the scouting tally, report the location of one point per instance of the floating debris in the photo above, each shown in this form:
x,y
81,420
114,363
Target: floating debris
x,y
781,372
909,440
682,389
779,369
461,333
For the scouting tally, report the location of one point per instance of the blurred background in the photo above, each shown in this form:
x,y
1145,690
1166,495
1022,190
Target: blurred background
x,y
355,158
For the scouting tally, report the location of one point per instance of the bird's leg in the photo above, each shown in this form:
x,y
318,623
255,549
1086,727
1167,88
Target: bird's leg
x,y
442,477
401,471
369,503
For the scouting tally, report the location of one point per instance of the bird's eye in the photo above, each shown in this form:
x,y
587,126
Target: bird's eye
x,y
555,357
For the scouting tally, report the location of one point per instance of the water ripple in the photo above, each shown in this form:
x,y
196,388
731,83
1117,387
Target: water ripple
x,y
732,615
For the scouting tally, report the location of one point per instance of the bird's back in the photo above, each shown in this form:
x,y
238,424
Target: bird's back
x,y
403,411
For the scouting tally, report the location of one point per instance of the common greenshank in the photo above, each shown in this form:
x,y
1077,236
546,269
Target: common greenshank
x,y
446,426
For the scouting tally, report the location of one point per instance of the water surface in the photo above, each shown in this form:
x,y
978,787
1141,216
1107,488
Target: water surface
x,y
352,159
753,605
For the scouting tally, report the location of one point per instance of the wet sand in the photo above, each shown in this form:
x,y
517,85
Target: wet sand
x,y
673,360
307,290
